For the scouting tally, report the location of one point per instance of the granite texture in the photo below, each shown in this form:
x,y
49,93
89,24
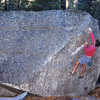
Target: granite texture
x,y
39,49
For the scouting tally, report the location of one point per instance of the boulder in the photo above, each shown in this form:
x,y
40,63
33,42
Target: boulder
x,y
39,49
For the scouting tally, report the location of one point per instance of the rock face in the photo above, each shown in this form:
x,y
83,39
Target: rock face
x,y
39,49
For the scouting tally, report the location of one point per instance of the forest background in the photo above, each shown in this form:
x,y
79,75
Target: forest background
x,y
90,6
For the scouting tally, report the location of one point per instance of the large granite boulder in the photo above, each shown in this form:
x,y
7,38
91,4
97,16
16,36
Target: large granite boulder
x,y
39,49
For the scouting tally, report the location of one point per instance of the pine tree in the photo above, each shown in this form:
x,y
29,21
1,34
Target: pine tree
x,y
24,4
5,5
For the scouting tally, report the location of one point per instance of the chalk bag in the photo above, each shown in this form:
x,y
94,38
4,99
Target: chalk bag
x,y
90,63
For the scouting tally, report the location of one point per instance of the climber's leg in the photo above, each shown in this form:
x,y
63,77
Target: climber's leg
x,y
83,70
75,67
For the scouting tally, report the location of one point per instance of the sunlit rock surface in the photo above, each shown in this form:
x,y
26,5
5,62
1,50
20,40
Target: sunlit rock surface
x,y
39,49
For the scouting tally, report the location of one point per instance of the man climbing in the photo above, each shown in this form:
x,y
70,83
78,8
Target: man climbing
x,y
89,52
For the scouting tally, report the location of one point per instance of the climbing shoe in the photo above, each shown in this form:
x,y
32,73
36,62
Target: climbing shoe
x,y
80,77
71,74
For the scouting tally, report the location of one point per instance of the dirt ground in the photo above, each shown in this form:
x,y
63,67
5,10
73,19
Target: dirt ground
x,y
12,92
95,92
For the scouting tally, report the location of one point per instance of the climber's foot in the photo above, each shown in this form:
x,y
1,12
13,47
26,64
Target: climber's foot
x,y
80,76
70,74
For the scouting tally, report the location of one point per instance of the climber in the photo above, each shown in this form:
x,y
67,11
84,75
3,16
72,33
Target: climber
x,y
89,52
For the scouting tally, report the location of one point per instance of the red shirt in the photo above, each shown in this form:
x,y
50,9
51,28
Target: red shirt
x,y
89,51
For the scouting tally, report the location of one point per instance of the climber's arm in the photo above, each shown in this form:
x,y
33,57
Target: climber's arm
x,y
92,36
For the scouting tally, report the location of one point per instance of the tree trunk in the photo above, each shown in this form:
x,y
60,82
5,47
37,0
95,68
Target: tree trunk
x,y
59,1
18,5
5,5
67,4
99,8
99,13
75,3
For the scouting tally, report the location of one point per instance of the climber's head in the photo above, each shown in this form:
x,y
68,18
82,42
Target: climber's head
x,y
97,43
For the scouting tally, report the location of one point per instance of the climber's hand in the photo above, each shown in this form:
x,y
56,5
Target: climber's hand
x,y
90,30
86,42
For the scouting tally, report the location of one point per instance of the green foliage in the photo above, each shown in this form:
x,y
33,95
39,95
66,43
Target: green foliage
x,y
71,4
40,5
37,5
12,4
1,5
24,4
90,6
